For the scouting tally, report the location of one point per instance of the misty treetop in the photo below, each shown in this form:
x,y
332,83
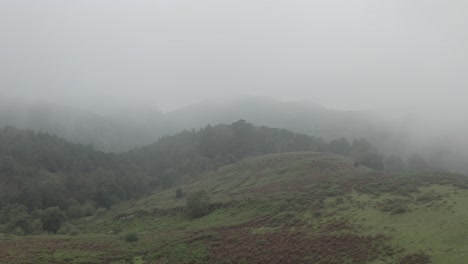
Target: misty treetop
x,y
190,152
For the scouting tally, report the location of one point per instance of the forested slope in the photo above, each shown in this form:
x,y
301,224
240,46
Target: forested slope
x,y
43,175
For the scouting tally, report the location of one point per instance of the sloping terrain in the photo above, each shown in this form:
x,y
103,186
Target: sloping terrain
x,y
304,207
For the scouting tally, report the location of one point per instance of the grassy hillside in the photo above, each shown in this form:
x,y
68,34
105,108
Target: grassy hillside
x,y
304,207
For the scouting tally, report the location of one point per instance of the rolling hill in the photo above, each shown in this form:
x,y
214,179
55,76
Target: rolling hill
x,y
46,181
301,207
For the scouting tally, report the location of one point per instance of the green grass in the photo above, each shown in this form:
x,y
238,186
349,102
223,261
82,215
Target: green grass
x,y
62,249
300,196
439,228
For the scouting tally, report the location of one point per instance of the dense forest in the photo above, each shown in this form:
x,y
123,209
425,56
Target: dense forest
x,y
45,180
213,146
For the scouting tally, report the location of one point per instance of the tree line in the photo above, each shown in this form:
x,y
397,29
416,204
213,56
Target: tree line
x,y
45,180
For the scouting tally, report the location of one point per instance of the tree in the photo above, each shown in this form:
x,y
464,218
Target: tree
x,y
394,163
361,146
7,165
19,219
198,204
340,146
53,218
372,160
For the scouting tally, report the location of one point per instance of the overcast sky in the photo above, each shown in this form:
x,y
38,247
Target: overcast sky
x,y
340,53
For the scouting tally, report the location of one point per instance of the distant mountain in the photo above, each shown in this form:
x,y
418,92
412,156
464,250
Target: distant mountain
x,y
303,117
401,133
118,132
124,129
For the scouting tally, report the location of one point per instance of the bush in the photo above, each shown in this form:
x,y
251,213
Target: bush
x,y
53,218
88,209
36,227
394,206
399,210
73,231
68,229
18,231
198,204
74,211
100,211
131,237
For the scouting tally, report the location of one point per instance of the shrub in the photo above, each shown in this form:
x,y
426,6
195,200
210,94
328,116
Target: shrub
x,y
415,258
394,206
73,231
53,218
88,209
100,211
74,211
36,227
68,229
131,237
18,231
198,204
399,210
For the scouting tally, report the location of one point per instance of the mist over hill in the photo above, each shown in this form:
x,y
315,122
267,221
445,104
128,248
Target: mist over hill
x,y
255,131
398,133
113,130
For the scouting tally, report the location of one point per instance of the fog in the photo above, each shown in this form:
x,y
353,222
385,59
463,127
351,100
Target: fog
x,y
405,61
343,54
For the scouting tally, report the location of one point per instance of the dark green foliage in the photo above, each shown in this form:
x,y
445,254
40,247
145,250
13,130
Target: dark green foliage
x,y
428,197
415,258
394,206
53,218
39,171
191,152
400,210
340,146
17,219
74,211
131,237
198,204
179,193
88,209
